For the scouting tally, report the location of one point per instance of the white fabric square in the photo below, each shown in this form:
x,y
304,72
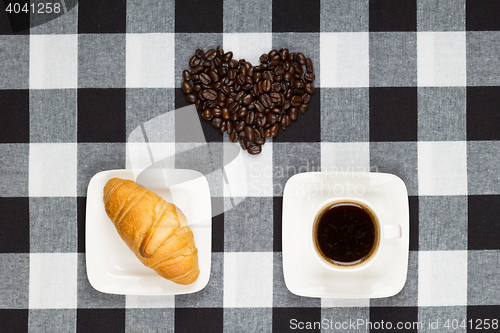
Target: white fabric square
x,y
53,281
441,59
344,59
53,61
442,278
52,169
150,60
442,168
248,279
149,302
345,157
248,46
250,175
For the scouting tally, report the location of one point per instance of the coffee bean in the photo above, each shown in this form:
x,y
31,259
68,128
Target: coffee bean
x,y
254,149
303,108
275,97
210,54
223,127
285,121
216,122
186,75
249,134
309,88
220,51
299,84
200,53
227,56
306,98
247,99
187,88
249,119
301,58
191,98
243,143
194,61
207,114
240,125
205,79
293,113
261,140
284,54
273,131
309,77
309,65
225,113
296,100
233,63
217,112
209,94
234,137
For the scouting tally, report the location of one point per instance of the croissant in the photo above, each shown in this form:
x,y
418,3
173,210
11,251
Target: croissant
x,y
155,230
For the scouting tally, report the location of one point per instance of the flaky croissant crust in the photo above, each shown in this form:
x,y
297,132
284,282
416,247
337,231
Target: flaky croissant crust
x,y
155,230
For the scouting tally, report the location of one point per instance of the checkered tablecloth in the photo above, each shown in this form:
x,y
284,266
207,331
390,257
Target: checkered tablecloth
x,y
408,87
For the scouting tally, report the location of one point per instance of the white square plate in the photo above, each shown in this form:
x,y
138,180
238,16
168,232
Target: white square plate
x,y
112,267
304,276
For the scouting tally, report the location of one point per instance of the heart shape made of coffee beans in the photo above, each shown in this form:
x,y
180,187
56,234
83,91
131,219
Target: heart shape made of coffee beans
x,y
249,103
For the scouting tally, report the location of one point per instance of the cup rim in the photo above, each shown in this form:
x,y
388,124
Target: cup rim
x,y
338,268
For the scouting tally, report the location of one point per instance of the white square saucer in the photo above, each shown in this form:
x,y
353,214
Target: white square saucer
x,y
112,267
304,275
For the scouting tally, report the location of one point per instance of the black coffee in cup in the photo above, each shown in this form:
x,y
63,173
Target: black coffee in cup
x,y
346,233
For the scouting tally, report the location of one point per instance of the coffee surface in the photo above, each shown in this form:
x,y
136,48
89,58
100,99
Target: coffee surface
x,y
346,234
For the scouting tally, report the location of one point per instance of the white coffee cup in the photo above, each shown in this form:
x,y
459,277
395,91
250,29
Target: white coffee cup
x,y
381,234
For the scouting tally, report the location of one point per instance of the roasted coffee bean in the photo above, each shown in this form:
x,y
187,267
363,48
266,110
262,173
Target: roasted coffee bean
x,y
207,114
298,70
285,121
233,63
220,51
194,61
296,100
223,127
258,106
225,113
309,77
298,84
205,79
240,125
265,100
271,118
306,98
234,137
186,75
216,122
309,88
217,112
187,88
274,130
266,85
206,64
240,79
209,94
309,65
227,56
249,119
214,76
197,69
210,54
275,97
264,57
222,70
197,104
191,98
284,54
242,112
247,99
301,58
254,149
249,133
303,108
230,127
243,143
217,62
232,73
293,113
200,53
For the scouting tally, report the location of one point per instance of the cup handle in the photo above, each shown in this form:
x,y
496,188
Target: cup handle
x,y
392,231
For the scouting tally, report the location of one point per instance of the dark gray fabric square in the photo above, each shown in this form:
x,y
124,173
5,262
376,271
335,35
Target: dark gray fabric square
x,y
53,225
